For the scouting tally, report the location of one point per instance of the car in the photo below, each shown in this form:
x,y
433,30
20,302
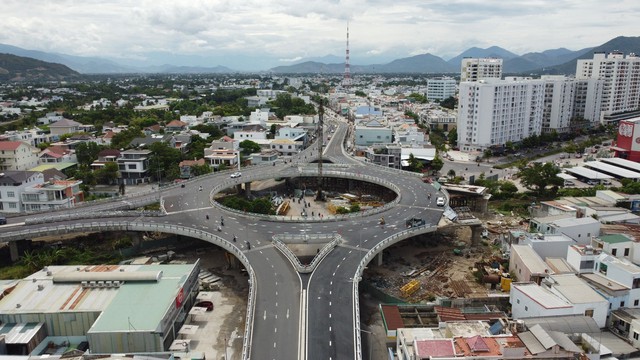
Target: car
x,y
3,220
205,304
236,174
569,183
415,222
592,182
606,182
440,201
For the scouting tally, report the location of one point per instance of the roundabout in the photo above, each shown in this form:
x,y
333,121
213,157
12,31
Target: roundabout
x,y
293,312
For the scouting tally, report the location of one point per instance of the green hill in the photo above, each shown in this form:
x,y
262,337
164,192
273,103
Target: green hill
x,y
18,68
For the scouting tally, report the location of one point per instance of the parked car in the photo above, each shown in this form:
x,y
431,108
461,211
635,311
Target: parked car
x,y
3,220
606,182
569,183
205,304
236,174
592,182
440,201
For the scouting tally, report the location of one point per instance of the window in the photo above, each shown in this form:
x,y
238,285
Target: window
x,y
526,308
131,166
11,194
626,251
517,301
13,206
635,335
614,252
636,302
588,313
622,303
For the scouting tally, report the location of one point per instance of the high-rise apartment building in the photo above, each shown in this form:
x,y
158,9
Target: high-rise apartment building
x,y
474,69
619,89
559,95
441,88
492,112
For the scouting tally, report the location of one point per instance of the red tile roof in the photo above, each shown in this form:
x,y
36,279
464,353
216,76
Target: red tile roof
x,y
176,123
392,317
10,145
432,349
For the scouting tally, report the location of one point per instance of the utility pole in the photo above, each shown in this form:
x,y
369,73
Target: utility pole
x,y
320,195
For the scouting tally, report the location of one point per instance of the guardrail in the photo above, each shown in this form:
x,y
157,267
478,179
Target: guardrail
x,y
91,215
308,172
173,229
306,269
360,269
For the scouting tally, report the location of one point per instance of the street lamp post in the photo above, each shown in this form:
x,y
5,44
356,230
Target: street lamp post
x,y
369,339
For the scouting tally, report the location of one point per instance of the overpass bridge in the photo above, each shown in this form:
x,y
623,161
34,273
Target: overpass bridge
x,y
319,306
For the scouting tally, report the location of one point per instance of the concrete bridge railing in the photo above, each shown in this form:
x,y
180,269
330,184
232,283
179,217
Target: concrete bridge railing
x,y
295,261
91,215
360,269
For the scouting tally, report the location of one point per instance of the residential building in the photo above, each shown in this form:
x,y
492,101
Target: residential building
x,y
409,135
264,157
186,167
548,245
250,134
287,147
441,119
292,133
387,155
175,126
623,272
474,69
618,245
527,265
221,156
583,258
579,229
52,195
559,95
441,88
17,155
558,295
373,133
12,185
64,126
105,156
621,82
493,112
133,166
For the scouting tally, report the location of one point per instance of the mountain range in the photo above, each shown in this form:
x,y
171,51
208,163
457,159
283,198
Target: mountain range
x,y
19,68
554,61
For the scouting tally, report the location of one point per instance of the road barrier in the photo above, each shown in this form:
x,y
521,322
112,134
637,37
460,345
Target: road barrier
x,y
91,215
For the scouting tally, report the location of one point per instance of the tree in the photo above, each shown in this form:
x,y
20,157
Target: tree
x,y
196,147
437,163
452,137
415,164
249,147
451,173
108,174
164,160
197,170
87,152
537,176
449,103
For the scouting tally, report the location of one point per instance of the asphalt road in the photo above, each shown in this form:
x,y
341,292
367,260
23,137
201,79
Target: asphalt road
x,y
323,327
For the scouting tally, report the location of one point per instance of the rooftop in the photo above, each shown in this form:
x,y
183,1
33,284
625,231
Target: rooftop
x,y
614,238
574,289
530,258
541,295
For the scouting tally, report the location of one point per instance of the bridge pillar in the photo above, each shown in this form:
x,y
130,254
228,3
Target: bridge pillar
x,y
379,258
17,249
247,189
136,239
476,234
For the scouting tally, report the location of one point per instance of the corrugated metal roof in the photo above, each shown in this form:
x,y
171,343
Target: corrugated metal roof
x,y
570,324
542,296
392,317
564,341
542,336
533,345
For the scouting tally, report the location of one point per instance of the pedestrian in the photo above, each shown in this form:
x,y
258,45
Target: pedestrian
x,y
207,216
234,238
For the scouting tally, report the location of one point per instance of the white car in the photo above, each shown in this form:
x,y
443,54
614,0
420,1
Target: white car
x,y
236,174
440,201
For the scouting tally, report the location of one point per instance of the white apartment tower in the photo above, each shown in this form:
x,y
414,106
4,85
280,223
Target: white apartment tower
x,y
441,88
620,87
492,112
474,69
559,95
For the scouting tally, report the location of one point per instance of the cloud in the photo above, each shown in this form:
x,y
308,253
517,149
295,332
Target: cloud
x,y
297,58
281,30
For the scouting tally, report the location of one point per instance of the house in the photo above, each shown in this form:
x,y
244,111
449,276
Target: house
x,y
64,126
548,245
623,272
12,185
56,194
372,133
264,157
286,147
56,155
133,166
579,229
583,258
17,155
175,126
558,295
105,156
186,165
618,245
222,157
527,265
387,155
153,129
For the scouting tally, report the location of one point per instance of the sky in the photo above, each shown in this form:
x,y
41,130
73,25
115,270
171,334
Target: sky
x,y
266,33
